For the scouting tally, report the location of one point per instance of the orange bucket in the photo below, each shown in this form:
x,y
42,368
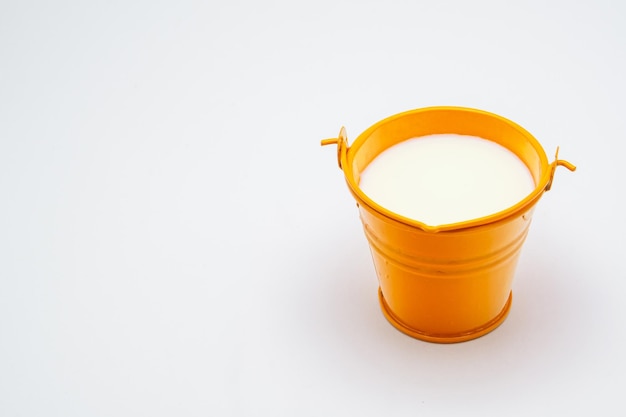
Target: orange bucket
x,y
448,283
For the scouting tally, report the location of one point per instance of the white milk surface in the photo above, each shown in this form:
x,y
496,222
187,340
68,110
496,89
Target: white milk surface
x,y
443,179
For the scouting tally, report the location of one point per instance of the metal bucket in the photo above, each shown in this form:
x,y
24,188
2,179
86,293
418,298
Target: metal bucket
x,y
452,282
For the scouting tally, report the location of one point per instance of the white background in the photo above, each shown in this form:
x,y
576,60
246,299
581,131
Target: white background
x,y
174,241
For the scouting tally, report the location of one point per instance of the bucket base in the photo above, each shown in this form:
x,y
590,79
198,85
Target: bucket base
x,y
444,338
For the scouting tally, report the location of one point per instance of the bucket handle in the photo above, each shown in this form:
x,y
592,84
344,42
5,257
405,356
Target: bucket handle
x,y
342,148
556,163
342,144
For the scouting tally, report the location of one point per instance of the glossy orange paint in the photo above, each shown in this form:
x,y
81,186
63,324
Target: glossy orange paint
x,y
452,282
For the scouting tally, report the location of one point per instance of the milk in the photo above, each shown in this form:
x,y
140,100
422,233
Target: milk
x,y
443,179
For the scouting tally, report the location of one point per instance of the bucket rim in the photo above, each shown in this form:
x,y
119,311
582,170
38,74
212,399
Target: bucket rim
x,y
524,205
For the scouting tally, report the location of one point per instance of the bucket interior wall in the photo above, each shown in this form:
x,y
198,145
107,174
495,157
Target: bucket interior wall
x,y
441,121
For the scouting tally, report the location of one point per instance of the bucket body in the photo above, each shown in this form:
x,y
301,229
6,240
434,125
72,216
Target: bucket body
x,y
449,286
452,282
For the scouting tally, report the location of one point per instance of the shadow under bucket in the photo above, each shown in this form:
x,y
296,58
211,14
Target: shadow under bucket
x,y
451,282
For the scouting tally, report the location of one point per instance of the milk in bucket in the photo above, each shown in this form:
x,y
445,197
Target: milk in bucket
x,y
446,178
